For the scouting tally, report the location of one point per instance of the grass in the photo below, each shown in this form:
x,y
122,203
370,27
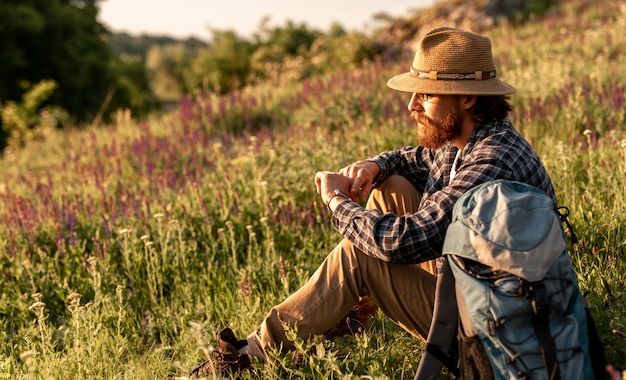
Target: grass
x,y
127,247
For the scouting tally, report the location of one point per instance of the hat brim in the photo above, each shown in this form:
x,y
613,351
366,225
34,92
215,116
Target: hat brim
x,y
410,83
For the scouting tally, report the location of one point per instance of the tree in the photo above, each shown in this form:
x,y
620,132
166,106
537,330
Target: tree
x,y
21,122
223,66
59,40
132,89
168,66
292,39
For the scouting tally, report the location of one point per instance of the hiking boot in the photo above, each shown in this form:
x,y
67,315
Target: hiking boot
x,y
227,361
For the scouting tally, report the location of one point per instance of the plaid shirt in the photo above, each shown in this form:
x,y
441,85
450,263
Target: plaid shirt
x,y
494,151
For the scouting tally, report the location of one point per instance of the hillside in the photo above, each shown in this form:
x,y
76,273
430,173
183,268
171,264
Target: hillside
x,y
127,246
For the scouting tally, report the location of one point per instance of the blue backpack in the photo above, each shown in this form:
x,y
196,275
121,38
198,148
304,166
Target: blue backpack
x,y
507,303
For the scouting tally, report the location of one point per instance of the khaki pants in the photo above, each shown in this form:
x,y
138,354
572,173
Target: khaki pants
x,y
404,293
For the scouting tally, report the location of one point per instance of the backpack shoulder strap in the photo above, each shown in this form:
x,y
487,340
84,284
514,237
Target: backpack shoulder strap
x,y
440,345
541,324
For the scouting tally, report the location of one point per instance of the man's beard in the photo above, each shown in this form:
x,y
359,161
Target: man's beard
x,y
432,134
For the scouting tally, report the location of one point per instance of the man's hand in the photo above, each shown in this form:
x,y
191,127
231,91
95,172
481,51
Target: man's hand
x,y
361,175
327,182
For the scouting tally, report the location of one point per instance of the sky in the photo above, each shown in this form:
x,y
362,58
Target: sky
x,y
193,18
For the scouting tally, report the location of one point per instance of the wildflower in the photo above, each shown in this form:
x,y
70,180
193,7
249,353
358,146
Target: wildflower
x,y
27,354
74,302
560,148
123,231
609,291
158,216
264,220
196,325
119,290
283,272
263,183
36,305
619,333
245,286
90,261
145,237
587,132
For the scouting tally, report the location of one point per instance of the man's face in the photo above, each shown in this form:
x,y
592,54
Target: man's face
x,y
438,119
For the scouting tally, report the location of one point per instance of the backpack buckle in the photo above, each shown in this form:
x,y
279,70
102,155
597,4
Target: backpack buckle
x,y
540,300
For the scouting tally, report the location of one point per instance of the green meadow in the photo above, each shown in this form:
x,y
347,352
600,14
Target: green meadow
x,y
126,247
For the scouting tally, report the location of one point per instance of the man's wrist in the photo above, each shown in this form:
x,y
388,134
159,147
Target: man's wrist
x,y
337,197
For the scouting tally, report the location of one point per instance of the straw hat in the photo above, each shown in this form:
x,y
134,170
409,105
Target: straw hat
x,y
454,62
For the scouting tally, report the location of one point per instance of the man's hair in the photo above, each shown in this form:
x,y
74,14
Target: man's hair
x,y
488,108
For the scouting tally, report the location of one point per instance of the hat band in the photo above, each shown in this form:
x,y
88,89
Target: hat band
x,y
434,75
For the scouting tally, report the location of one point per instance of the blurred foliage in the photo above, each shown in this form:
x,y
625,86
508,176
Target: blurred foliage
x,y
61,42
166,65
533,8
57,40
26,121
126,44
279,54
98,73
133,87
222,67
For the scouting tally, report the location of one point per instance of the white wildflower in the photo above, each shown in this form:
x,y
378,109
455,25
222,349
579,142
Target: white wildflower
x,y
36,305
27,354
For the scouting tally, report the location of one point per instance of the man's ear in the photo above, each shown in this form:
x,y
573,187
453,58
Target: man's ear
x,y
468,101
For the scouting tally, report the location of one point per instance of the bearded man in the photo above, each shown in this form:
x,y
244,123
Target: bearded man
x,y
390,250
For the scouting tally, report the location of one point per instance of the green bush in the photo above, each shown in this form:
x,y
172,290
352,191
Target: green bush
x,y
29,120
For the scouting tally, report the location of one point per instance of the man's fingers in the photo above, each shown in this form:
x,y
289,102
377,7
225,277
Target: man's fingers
x,y
361,186
365,192
319,176
357,183
349,171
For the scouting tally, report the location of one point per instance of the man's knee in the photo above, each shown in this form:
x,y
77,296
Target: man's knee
x,y
395,194
393,183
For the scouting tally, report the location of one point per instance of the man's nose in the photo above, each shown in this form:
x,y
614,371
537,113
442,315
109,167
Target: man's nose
x,y
415,104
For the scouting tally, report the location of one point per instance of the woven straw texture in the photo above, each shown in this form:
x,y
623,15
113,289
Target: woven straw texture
x,y
446,51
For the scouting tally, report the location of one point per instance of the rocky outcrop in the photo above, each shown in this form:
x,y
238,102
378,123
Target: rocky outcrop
x,y
476,16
